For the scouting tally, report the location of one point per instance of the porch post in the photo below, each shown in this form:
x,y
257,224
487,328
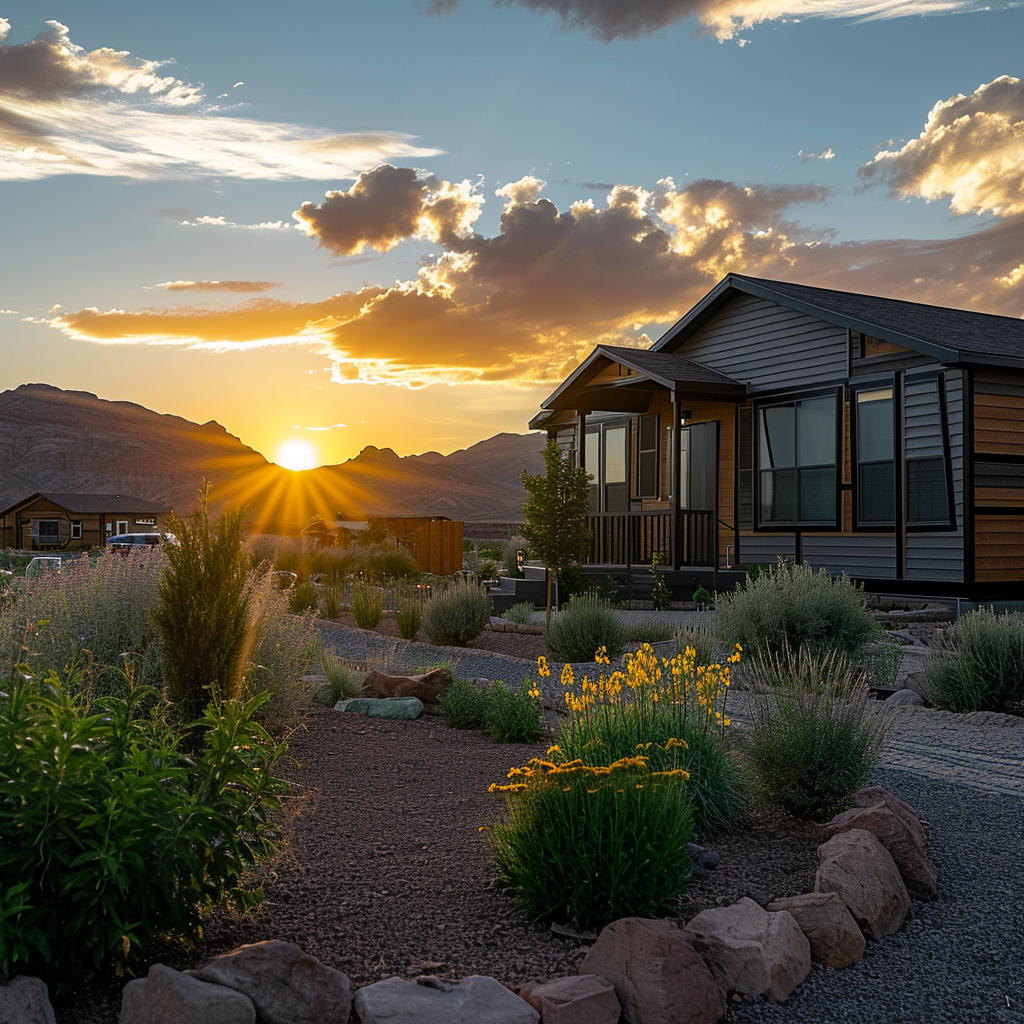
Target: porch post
x,y
581,438
675,472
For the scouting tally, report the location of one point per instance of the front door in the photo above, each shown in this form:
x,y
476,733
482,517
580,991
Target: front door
x,y
698,466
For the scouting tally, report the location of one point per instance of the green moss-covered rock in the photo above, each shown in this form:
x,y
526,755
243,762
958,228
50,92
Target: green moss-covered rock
x,y
384,707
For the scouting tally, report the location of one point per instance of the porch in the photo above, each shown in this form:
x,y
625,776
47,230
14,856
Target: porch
x,y
684,538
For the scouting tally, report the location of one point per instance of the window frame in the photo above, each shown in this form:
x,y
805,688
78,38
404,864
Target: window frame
x,y
794,400
949,523
866,387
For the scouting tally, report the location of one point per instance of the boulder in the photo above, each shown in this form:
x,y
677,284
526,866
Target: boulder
x,y
406,708
830,928
859,869
871,795
658,976
25,1000
475,1000
905,698
426,687
286,985
166,996
752,951
583,999
904,843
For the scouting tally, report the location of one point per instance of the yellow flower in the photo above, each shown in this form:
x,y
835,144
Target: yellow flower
x,y
542,667
482,828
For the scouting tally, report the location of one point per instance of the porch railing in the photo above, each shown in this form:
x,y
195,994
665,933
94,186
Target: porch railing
x,y
630,538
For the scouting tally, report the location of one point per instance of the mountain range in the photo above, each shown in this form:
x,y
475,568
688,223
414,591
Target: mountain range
x,y
59,441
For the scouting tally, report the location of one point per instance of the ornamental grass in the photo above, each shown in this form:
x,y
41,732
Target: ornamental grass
x,y
588,844
657,706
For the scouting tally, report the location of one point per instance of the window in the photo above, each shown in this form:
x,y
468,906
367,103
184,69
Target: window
x,y
591,456
121,526
47,528
797,449
876,486
76,529
647,457
928,470
615,489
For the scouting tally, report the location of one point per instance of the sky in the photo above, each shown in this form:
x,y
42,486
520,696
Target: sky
x,y
402,223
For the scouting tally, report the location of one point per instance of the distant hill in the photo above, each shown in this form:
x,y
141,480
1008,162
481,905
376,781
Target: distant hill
x,y
58,440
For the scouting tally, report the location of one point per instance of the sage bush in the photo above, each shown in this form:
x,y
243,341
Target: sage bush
x,y
585,625
456,613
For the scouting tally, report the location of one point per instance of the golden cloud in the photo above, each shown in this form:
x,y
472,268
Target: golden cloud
x,y
105,112
971,150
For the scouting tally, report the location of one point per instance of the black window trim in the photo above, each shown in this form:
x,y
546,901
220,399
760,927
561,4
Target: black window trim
x,y
889,382
939,377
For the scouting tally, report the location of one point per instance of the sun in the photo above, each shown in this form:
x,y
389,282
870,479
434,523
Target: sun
x,y
296,455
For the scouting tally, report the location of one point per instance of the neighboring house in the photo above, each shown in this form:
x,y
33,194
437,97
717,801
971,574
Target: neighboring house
x,y
871,436
60,520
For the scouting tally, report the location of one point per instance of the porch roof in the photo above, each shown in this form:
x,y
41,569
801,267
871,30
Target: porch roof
x,y
649,371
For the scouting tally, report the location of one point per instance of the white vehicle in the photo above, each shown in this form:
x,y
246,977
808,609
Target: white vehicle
x,y
41,565
125,542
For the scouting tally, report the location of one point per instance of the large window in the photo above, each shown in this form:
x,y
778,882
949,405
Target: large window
x,y
928,469
876,484
797,447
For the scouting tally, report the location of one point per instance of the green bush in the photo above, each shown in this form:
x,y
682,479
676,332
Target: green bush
x,y
796,607
464,704
585,625
341,677
511,717
811,743
487,572
330,603
882,661
983,667
203,614
584,847
303,598
110,837
456,614
512,546
409,617
521,612
367,606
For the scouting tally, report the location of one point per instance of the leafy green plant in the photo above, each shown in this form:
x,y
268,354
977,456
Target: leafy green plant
x,y
520,612
367,606
585,625
456,613
203,613
811,743
983,667
794,606
464,704
588,845
303,598
510,555
513,717
341,676
703,598
111,837
409,618
661,592
487,572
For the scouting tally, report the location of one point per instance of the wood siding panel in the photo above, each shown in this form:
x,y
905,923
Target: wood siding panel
x,y
770,346
998,551
862,556
998,424
988,497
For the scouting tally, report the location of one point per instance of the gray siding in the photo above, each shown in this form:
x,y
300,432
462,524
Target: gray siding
x,y
935,556
766,549
865,556
769,346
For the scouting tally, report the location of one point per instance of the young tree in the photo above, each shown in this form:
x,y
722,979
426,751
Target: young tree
x,y
203,613
556,512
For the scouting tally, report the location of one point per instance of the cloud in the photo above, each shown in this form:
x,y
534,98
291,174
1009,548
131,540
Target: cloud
x,y
387,205
971,150
615,19
223,222
218,286
65,110
825,154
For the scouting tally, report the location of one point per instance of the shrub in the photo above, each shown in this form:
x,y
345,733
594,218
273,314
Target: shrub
x,y
512,546
584,626
882,661
303,598
409,617
661,592
203,612
387,562
588,845
488,572
513,717
456,614
330,603
792,607
464,704
638,628
520,612
129,840
983,669
367,607
810,743
673,711
703,598
341,676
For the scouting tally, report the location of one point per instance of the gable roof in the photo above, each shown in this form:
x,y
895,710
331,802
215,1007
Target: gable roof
x,y
91,504
946,334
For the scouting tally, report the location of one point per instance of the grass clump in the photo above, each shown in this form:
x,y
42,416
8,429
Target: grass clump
x,y
513,716
456,614
586,845
983,667
520,612
794,606
641,628
409,618
342,678
304,598
585,625
464,704
811,743
367,607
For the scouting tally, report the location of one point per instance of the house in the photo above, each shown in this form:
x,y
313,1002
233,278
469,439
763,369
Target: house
x,y
62,520
865,435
